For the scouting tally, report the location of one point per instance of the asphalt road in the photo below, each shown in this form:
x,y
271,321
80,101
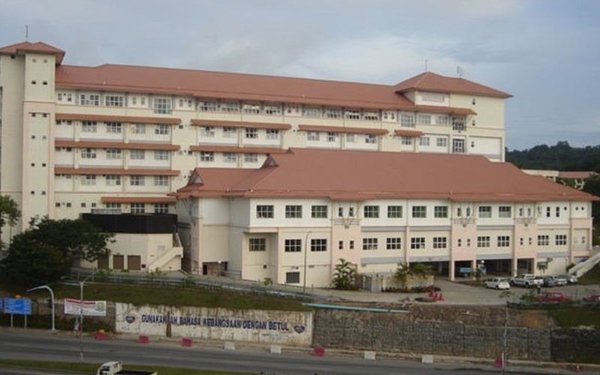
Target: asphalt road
x,y
60,347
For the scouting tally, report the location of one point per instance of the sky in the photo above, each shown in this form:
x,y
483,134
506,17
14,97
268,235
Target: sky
x,y
546,53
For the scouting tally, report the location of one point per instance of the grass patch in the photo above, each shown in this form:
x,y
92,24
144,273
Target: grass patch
x,y
171,296
591,277
91,368
576,317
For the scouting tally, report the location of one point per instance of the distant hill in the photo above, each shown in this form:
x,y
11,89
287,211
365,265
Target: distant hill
x,y
560,157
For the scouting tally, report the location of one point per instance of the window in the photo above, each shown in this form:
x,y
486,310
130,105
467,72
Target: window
x,y
251,108
442,120
440,212
394,211
503,241
318,244
251,133
161,155
423,119
207,131
407,120
229,157
439,242
312,136
331,137
88,126
393,243
557,211
88,153
250,158
350,138
371,116
351,211
292,277
229,132
311,112
371,211
161,208
88,180
138,208
419,211
340,245
137,154
207,156
441,142
161,180
543,240
162,105
417,243
114,100
207,106
458,146
485,211
114,127
257,244
369,244
113,180
319,212
483,241
406,141
351,245
352,114
458,123
264,211
424,141
113,206
293,246
137,180
113,154
561,239
161,130
333,113
293,211
138,129
371,139
89,99
272,134
504,211
230,107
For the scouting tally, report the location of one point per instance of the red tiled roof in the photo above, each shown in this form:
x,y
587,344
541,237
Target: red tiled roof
x,y
235,86
117,145
240,124
338,129
241,150
126,119
138,199
429,81
362,175
407,133
115,171
39,47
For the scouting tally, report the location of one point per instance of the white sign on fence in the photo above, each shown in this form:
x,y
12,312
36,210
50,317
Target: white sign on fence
x,y
275,327
85,308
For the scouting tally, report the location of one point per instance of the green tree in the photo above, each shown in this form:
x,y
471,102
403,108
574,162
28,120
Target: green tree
x,y
9,214
47,250
592,186
344,276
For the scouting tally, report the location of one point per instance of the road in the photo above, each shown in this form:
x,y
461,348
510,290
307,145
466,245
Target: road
x,y
20,344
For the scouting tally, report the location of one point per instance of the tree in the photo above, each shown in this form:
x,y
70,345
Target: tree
x,y
47,250
9,213
344,276
592,186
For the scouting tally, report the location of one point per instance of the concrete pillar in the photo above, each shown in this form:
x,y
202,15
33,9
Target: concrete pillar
x,y
451,270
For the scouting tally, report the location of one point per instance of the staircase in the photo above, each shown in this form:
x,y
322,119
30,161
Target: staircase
x,y
582,268
175,252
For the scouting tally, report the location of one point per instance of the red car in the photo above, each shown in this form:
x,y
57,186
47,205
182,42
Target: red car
x,y
594,298
552,297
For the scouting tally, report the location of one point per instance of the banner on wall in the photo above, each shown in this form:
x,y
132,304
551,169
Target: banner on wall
x,y
85,308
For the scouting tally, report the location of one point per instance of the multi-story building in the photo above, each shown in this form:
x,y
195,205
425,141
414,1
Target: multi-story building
x,y
76,139
294,218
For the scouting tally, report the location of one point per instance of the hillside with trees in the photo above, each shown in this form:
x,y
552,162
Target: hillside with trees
x,y
561,157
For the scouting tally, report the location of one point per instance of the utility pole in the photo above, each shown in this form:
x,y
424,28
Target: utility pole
x,y
51,301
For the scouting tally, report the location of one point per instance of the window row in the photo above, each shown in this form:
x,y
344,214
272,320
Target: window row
x,y
117,154
118,127
228,157
117,180
249,133
331,137
140,208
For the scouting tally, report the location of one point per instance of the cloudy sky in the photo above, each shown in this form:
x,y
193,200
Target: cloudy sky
x,y
544,52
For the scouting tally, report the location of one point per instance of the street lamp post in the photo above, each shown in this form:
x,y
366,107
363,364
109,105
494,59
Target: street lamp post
x,y
305,261
81,284
51,300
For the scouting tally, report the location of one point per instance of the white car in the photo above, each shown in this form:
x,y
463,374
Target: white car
x,y
497,283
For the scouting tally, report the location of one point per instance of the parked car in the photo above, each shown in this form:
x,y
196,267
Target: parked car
x,y
555,281
594,298
555,297
497,283
571,279
527,280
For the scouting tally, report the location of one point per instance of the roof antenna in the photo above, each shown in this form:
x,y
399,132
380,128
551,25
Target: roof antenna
x,y
460,72
27,33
